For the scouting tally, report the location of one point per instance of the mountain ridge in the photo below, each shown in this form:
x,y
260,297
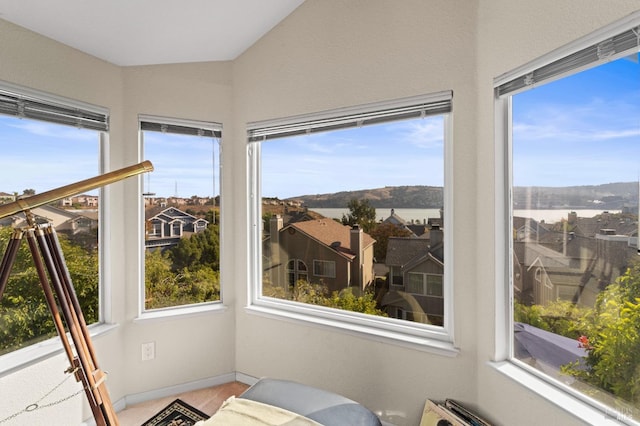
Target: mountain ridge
x,y
615,195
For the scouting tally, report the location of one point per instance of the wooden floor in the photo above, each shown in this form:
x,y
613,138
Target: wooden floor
x,y
207,400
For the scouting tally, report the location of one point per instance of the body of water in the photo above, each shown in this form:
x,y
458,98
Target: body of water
x,y
555,215
409,215
422,215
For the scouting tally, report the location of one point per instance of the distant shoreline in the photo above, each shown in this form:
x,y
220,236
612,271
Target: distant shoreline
x,y
422,215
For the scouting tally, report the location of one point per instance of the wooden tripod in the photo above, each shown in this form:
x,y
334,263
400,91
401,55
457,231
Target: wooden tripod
x,y
63,303
59,291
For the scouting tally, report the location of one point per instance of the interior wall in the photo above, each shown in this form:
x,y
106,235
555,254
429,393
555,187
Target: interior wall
x,y
37,62
191,91
327,54
510,34
330,54
195,91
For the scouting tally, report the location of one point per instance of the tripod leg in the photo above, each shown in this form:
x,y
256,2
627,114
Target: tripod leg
x,y
95,389
9,258
65,280
62,271
48,294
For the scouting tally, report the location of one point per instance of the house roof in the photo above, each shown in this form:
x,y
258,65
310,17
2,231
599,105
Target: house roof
x,y
332,234
401,250
395,219
590,226
170,214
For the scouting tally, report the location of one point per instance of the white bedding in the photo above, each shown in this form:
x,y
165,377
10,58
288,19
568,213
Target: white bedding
x,y
245,412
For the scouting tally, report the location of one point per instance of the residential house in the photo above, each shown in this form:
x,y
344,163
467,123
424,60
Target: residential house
x,y
70,222
166,226
397,221
416,270
326,252
6,198
574,262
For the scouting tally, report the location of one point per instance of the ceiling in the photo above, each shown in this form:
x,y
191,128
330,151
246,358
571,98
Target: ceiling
x,y
144,32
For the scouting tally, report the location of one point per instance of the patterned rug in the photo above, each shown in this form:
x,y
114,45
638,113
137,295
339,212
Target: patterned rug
x,y
177,413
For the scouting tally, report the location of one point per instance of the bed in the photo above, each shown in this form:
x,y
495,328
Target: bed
x,y
278,402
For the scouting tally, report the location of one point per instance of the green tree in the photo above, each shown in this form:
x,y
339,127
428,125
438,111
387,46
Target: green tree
x,y
348,301
360,213
199,249
560,317
318,294
611,334
160,281
381,233
185,274
24,315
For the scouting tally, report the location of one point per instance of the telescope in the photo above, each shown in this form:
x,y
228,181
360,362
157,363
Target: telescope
x,y
58,289
79,187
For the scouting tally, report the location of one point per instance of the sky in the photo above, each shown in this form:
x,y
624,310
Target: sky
x,y
581,130
183,166
42,156
408,152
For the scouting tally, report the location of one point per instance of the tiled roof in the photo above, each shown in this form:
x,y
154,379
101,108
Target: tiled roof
x,y
402,250
328,232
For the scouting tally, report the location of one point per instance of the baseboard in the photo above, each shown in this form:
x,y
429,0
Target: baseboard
x,y
246,379
137,398
185,387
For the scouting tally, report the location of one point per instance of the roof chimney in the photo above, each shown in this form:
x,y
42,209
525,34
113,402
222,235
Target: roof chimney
x,y
436,242
355,244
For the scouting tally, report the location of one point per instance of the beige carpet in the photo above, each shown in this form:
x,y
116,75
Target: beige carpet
x,y
206,400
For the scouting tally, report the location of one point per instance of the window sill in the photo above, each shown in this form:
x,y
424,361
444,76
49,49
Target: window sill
x,y
371,329
202,308
21,358
554,394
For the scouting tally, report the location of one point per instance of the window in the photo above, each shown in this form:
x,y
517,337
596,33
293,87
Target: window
x,y
296,271
350,192
324,268
48,142
572,139
425,284
181,212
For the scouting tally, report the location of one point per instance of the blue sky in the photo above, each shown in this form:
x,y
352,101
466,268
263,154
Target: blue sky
x,y
408,152
183,165
581,130
42,156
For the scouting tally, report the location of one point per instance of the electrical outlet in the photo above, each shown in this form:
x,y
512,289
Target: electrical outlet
x,y
148,351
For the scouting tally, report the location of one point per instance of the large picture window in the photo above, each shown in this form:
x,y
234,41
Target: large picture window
x,y
48,142
573,144
181,212
356,194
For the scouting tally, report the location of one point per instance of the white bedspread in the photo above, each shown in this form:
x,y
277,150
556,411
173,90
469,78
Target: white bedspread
x,y
245,412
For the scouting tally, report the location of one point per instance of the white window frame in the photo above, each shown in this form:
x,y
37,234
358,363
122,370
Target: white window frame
x,y
580,405
217,305
439,340
15,360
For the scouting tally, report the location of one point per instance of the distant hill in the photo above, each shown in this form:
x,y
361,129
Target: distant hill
x,y
387,197
609,196
612,196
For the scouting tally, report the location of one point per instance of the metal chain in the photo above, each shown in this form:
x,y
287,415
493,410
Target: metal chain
x,y
37,406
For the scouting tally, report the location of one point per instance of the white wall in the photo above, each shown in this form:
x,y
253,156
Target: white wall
x,y
197,91
327,54
192,91
512,33
331,54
